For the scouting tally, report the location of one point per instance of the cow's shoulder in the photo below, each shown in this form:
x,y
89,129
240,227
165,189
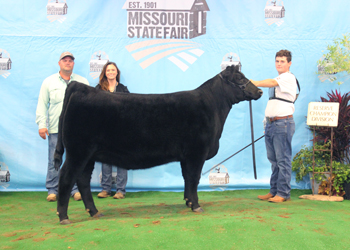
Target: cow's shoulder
x,y
75,86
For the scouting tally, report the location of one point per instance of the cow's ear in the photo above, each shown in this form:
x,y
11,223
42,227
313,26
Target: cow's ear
x,y
227,72
228,69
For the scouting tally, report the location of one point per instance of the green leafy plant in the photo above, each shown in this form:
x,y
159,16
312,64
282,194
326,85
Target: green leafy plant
x,y
340,175
341,139
302,161
337,59
302,166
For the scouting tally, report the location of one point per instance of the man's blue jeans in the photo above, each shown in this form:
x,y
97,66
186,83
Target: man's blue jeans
x,y
278,141
53,175
106,181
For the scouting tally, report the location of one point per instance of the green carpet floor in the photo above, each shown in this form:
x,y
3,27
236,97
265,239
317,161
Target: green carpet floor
x,y
160,220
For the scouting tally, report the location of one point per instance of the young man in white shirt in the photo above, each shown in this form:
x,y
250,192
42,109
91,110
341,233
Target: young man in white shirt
x,y
280,127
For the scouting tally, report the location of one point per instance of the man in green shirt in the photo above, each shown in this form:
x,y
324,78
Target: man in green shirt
x,y
47,115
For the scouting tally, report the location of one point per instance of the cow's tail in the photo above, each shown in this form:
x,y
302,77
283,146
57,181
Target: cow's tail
x,y
60,147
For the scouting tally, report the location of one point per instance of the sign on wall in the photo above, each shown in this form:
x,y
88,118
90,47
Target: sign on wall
x,y
323,114
169,24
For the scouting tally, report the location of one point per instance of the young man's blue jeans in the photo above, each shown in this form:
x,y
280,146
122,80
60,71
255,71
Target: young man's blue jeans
x,y
53,175
278,141
106,181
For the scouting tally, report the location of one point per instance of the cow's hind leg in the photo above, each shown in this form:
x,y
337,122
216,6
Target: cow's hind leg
x,y
191,171
71,169
65,185
84,187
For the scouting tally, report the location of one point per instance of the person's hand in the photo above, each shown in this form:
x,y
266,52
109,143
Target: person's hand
x,y
43,132
254,82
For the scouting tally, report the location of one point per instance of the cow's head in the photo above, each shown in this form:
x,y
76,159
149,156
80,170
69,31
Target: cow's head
x,y
233,76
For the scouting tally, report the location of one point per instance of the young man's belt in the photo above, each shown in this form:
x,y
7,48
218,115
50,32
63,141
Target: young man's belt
x,y
279,118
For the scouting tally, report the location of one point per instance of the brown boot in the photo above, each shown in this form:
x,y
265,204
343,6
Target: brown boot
x,y
278,199
103,194
77,196
265,197
119,196
51,197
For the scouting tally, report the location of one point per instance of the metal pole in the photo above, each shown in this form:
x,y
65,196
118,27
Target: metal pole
x,y
252,133
232,155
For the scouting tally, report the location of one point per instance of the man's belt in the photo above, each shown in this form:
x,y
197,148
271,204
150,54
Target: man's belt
x,y
278,118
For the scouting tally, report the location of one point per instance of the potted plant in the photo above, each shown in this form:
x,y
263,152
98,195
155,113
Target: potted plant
x,y
340,178
341,139
335,66
302,163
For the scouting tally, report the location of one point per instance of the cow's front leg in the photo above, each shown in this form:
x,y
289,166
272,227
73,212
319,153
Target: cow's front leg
x,y
186,182
191,172
84,187
193,187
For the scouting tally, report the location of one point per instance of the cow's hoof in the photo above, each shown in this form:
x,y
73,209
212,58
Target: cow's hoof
x,y
98,215
189,204
65,222
198,210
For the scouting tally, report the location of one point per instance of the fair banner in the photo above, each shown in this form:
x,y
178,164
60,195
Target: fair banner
x,y
160,46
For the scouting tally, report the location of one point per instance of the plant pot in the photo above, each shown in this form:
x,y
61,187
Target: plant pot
x,y
317,184
346,188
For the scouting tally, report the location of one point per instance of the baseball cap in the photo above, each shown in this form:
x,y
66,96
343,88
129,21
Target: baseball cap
x,y
64,54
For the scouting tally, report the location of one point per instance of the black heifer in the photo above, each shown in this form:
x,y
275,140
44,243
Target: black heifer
x,y
138,131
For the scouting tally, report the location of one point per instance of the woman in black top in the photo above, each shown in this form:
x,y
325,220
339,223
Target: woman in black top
x,y
109,81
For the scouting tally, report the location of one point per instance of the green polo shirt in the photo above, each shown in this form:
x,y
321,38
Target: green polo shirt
x,y
50,100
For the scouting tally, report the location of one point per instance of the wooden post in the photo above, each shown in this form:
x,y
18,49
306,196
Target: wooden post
x,y
313,162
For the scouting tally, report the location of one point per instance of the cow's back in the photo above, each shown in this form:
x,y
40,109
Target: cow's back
x,y
138,130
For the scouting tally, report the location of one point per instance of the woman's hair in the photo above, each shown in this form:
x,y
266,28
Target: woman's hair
x,y
103,79
285,53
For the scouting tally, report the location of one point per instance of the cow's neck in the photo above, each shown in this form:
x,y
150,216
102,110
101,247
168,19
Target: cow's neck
x,y
215,93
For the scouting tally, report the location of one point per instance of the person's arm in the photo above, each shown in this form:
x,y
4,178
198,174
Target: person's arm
x,y
268,83
86,82
41,111
122,88
79,78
